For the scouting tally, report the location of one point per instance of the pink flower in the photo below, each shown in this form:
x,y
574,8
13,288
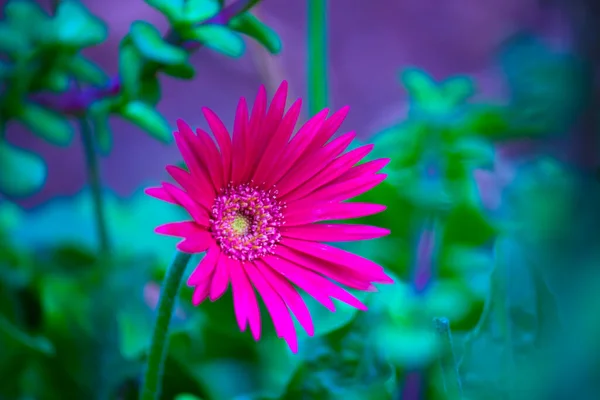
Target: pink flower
x,y
257,204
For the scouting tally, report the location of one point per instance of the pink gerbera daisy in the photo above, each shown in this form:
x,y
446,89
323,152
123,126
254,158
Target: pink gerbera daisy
x,y
257,204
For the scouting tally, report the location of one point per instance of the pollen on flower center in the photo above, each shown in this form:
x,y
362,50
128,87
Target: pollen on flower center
x,y
246,221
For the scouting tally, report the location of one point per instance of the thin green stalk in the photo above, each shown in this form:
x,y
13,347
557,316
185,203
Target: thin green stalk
x,y
158,346
91,161
317,56
450,373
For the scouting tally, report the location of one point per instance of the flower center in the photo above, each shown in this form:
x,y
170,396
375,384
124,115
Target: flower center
x,y
246,220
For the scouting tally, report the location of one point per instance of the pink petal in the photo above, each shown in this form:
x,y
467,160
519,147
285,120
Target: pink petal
x,y
368,168
255,135
315,285
201,293
211,158
161,194
354,279
205,267
276,109
331,125
182,229
290,295
347,189
197,243
199,214
244,299
192,186
223,139
239,157
351,262
334,170
306,211
334,232
196,168
277,143
220,280
302,172
284,325
296,147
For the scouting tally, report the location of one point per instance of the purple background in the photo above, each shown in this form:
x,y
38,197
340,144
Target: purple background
x,y
370,41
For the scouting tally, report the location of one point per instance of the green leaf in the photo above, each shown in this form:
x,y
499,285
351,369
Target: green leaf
x,y
457,89
99,115
182,71
473,152
248,24
187,396
150,90
151,45
28,18
219,38
130,67
196,11
147,118
134,332
35,343
75,26
11,41
22,172
172,9
468,225
56,80
49,125
87,71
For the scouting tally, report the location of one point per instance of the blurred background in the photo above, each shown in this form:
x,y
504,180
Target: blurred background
x,y
488,110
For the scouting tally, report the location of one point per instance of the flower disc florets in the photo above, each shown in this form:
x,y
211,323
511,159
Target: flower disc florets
x,y
246,221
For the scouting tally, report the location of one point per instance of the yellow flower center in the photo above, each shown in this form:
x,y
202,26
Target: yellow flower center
x,y
240,225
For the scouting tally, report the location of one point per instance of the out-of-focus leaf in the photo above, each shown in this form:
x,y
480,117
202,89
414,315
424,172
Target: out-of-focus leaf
x,y
219,38
467,225
130,67
86,70
472,152
27,18
500,351
172,9
74,26
56,80
35,343
11,41
149,42
22,172
134,332
99,115
196,11
187,396
49,125
182,71
548,87
147,118
488,121
248,24
150,90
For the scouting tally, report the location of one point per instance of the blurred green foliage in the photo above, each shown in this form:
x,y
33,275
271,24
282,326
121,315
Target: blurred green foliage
x,y
481,302
46,82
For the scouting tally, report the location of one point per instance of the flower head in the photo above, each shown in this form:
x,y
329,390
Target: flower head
x,y
258,202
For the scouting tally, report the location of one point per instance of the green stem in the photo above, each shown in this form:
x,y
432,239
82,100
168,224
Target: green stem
x,y
450,373
91,162
159,344
317,56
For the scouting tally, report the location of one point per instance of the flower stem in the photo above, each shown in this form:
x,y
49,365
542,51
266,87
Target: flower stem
x,y
159,344
91,162
317,56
